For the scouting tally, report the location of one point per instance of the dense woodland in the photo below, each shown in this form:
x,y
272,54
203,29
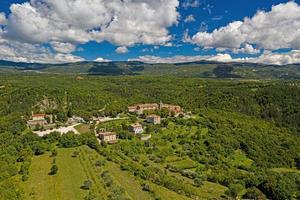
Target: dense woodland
x,y
242,130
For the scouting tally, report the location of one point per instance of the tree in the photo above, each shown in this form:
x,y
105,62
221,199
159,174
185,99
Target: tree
x,y
164,112
54,153
70,112
198,181
37,127
254,193
87,185
234,190
39,148
53,170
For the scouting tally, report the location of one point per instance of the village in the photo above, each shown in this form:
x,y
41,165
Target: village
x,y
146,115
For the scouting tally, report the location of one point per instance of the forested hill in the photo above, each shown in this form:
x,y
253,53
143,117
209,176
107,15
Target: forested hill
x,y
276,101
204,69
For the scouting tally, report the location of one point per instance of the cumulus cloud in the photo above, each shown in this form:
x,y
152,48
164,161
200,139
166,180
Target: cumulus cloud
x,y
63,24
102,60
2,18
122,50
291,57
80,21
182,59
189,18
247,49
276,29
63,47
25,52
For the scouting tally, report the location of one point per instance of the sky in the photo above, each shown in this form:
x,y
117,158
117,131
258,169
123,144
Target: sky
x,y
152,31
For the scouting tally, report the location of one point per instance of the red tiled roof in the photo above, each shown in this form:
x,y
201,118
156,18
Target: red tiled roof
x,y
136,125
107,133
38,115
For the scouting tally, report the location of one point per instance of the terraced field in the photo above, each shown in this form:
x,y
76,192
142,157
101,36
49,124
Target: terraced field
x,y
108,179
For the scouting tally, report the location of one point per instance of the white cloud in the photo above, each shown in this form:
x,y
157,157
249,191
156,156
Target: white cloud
x,y
247,49
189,18
80,21
2,18
182,59
102,60
122,50
25,52
267,57
63,24
291,57
63,47
276,29
190,4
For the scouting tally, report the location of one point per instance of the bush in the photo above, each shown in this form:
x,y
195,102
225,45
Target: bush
x,y
87,185
54,153
25,177
234,190
100,163
198,181
53,170
75,154
254,193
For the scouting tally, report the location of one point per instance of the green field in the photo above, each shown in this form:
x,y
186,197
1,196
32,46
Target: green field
x,y
83,128
73,171
64,185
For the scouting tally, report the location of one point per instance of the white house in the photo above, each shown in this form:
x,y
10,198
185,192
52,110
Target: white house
x,y
136,128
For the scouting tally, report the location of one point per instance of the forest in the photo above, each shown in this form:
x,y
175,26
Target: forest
x,y
243,139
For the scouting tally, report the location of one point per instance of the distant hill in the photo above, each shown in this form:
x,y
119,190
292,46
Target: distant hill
x,y
204,69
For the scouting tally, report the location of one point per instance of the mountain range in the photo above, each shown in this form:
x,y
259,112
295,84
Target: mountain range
x,y
203,69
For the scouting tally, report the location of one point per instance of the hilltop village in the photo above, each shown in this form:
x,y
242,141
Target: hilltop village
x,y
142,117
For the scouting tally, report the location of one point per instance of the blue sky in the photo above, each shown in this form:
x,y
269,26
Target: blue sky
x,y
193,16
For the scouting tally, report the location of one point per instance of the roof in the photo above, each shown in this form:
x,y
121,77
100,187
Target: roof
x,y
147,105
106,133
170,105
38,115
153,116
136,125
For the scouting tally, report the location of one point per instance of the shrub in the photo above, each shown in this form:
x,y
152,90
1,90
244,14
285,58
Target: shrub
x,y
53,170
86,185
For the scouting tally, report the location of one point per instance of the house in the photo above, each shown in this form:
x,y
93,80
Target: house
x,y
136,128
75,119
37,119
153,119
140,108
109,137
172,108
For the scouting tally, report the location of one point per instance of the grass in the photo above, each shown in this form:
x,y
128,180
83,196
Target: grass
x,y
166,194
72,172
184,164
83,128
239,159
128,182
64,185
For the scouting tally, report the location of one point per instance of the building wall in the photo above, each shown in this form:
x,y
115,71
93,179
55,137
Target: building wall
x,y
110,138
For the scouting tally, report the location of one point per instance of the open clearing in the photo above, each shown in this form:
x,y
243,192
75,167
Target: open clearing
x,y
64,185
73,171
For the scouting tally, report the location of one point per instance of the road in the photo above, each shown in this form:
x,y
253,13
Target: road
x,y
62,130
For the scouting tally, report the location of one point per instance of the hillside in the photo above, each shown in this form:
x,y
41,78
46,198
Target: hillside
x,y
204,69
239,140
